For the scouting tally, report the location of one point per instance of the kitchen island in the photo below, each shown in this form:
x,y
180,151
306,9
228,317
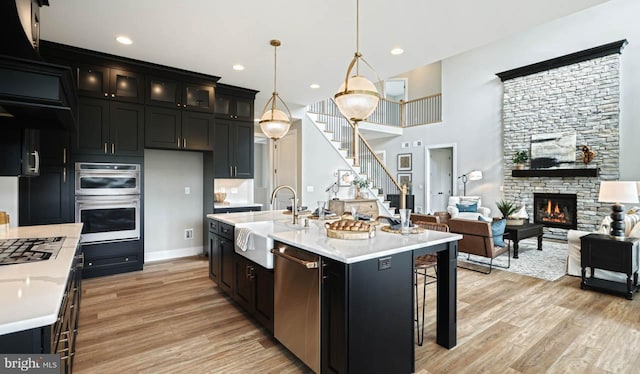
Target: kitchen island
x,y
366,298
41,299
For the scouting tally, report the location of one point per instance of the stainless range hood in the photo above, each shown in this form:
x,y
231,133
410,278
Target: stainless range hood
x,y
35,93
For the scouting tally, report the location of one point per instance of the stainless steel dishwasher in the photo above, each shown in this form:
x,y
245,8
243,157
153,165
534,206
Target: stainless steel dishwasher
x,y
297,303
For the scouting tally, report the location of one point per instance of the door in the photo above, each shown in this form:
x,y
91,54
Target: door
x,y
396,89
162,128
127,129
197,131
93,80
46,199
126,86
198,97
226,266
221,164
242,143
163,92
243,289
286,167
214,257
441,178
93,126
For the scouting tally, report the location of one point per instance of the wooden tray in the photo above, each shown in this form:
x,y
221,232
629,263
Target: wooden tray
x,y
301,212
412,230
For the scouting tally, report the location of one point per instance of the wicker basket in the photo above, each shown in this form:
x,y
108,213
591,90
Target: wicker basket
x,y
515,221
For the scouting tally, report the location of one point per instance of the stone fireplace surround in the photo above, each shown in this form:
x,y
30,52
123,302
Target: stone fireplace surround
x,y
575,93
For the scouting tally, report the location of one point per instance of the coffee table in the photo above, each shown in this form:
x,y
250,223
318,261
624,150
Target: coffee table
x,y
519,232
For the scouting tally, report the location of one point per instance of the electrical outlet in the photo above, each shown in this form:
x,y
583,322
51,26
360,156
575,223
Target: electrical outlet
x,y
310,188
187,190
188,234
417,143
405,145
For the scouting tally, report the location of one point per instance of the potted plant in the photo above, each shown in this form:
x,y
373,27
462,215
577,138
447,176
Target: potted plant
x,y
507,209
520,158
360,183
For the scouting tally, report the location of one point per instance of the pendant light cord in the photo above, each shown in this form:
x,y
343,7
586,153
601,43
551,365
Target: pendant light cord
x,y
358,36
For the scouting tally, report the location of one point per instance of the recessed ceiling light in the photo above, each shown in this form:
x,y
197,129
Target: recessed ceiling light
x,y
124,40
314,86
238,67
397,51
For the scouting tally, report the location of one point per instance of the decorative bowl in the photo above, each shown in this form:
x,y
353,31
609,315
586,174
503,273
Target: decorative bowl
x,y
219,197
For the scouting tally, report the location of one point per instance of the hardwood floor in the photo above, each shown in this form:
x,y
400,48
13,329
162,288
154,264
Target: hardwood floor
x,y
171,318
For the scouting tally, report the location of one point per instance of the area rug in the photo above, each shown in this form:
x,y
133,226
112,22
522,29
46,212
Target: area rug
x,y
549,264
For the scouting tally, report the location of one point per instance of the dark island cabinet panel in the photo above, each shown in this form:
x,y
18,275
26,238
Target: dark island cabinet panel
x,y
226,275
262,297
243,282
109,128
214,254
107,83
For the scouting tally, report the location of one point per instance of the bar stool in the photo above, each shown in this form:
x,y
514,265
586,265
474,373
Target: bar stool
x,y
421,266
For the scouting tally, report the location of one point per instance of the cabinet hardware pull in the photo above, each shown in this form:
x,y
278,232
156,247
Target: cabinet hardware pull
x,y
105,148
178,105
64,155
184,105
106,94
64,175
113,95
235,171
184,142
113,148
178,142
231,171
36,159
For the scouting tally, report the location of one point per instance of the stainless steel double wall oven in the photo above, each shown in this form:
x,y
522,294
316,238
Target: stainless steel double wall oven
x,y
107,201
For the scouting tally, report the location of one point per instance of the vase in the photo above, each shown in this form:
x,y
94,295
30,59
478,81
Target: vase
x,y
358,193
519,166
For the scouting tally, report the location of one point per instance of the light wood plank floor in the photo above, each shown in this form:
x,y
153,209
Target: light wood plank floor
x,y
170,318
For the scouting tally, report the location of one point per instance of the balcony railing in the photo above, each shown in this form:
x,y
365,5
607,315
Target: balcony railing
x,y
422,111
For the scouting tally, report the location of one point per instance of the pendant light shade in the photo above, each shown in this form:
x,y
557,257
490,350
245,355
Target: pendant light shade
x,y
274,122
357,97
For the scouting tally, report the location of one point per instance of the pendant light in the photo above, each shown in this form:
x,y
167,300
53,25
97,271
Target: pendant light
x,y
274,122
357,97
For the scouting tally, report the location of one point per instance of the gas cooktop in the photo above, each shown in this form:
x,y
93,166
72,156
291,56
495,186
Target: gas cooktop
x,y
25,250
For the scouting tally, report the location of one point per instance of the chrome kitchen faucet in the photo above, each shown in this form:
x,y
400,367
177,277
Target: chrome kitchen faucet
x,y
294,205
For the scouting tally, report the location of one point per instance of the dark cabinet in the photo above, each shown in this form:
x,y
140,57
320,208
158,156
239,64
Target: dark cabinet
x,y
47,199
178,129
254,290
599,251
111,83
19,150
214,255
110,128
176,94
234,107
226,274
233,149
112,258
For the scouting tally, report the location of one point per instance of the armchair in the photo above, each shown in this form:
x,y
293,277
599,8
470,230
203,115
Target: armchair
x,y
454,211
477,239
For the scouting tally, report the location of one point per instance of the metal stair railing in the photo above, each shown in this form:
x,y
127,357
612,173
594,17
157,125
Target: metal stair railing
x,y
362,153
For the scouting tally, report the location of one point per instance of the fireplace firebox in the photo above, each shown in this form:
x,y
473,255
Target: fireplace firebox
x,y
555,210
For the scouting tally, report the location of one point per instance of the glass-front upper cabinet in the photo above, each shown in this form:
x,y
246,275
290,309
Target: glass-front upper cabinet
x,y
198,97
234,107
164,92
108,83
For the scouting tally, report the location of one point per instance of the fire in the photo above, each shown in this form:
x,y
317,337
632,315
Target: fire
x,y
553,213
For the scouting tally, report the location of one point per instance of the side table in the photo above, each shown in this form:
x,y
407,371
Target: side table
x,y
606,253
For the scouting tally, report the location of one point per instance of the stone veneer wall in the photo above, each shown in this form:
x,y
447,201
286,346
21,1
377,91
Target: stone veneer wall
x,y
583,97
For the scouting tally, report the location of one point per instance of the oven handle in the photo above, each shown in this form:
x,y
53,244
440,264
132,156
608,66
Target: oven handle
x,y
110,202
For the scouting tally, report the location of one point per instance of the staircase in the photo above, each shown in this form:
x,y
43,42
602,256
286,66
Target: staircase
x,y
340,133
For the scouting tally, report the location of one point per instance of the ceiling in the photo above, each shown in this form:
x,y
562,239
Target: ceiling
x,y
318,36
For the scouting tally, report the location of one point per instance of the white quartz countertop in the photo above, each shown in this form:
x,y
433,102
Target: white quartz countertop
x,y
314,238
235,205
31,294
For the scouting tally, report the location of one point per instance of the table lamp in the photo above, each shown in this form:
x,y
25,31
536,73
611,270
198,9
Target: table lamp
x,y
617,192
474,175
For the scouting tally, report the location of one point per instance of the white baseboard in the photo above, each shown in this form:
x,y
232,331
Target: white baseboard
x,y
172,253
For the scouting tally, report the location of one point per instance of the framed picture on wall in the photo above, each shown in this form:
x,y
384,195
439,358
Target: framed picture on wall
x,y
404,161
345,177
404,178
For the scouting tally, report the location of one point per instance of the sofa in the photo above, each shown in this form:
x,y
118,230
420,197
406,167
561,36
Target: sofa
x,y
457,202
631,228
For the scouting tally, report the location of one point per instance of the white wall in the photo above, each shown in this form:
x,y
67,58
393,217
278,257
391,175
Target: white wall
x,y
472,93
168,211
237,190
9,198
424,81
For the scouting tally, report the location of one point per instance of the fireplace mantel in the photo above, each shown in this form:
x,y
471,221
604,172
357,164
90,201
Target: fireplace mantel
x,y
578,172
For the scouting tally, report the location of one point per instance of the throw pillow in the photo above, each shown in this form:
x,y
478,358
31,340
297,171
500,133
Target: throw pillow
x,y
635,232
471,208
497,230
